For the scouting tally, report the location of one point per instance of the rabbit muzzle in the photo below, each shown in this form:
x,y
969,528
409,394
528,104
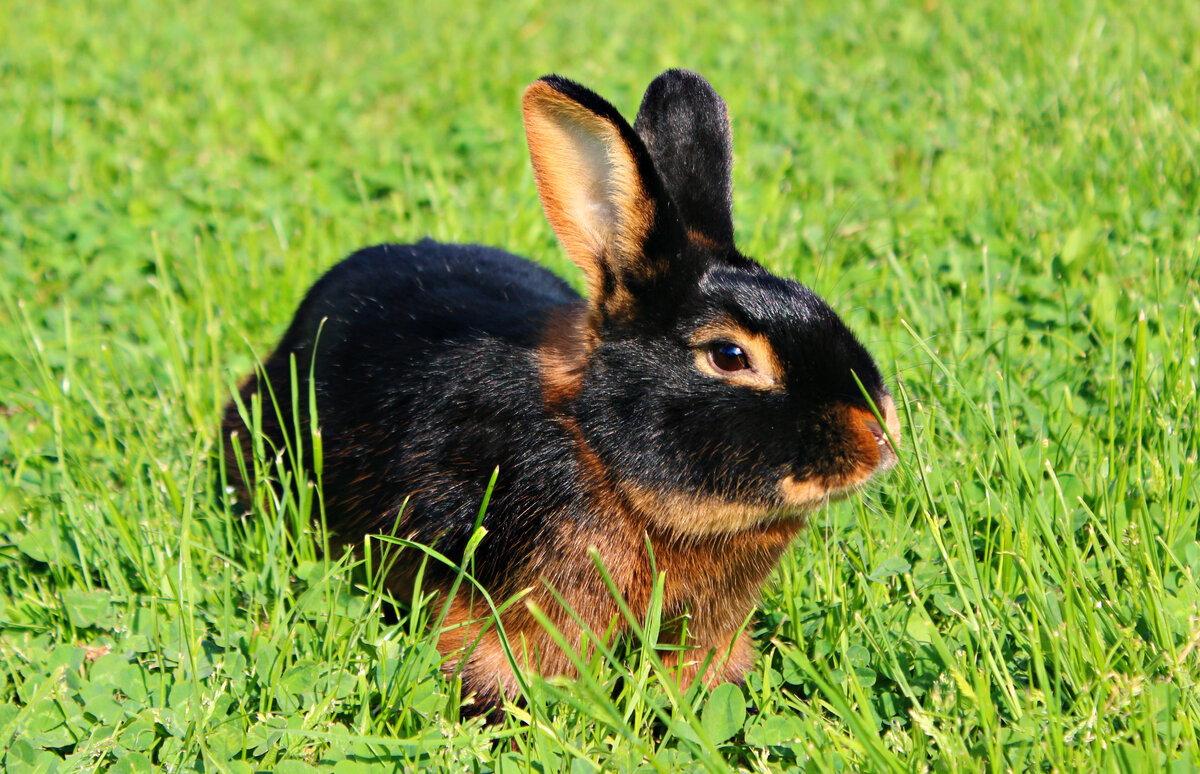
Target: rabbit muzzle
x,y
866,448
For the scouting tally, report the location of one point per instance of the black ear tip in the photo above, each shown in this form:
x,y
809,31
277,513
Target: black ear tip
x,y
677,82
678,75
681,75
578,94
560,84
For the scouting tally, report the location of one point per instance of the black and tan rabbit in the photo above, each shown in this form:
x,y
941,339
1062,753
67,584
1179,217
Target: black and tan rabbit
x,y
690,411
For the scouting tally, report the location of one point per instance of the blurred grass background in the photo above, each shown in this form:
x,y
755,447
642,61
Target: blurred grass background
x,y
1001,198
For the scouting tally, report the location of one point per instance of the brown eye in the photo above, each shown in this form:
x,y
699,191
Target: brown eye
x,y
727,357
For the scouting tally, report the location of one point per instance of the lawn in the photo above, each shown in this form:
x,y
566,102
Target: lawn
x,y
1001,198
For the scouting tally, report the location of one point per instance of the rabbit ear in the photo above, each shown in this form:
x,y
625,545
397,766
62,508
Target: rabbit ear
x,y
597,184
685,126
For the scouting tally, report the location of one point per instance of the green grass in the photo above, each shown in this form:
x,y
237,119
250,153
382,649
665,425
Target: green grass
x,y
1001,198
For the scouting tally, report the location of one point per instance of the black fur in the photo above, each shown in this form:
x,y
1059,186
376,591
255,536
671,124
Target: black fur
x,y
425,382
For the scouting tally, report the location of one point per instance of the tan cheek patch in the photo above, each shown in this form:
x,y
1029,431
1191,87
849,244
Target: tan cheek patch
x,y
766,370
806,491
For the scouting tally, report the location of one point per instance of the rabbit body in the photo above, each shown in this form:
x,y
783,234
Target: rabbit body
x,y
420,352
681,419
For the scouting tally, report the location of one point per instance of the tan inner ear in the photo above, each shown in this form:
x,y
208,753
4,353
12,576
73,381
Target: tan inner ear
x,y
588,182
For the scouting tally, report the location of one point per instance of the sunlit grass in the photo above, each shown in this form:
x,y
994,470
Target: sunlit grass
x,y
1000,198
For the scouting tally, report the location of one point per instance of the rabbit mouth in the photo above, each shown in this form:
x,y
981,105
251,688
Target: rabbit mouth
x,y
814,492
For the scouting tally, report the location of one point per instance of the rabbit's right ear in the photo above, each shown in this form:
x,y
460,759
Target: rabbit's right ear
x,y
597,185
685,126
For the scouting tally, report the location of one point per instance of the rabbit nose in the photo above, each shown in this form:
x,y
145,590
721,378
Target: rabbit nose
x,y
887,454
885,438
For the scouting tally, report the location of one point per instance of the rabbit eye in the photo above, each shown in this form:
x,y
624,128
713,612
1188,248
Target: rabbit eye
x,y
727,357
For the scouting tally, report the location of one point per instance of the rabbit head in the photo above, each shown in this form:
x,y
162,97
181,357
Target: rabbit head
x,y
711,394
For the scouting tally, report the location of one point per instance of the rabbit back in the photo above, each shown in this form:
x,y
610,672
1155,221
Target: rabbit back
x,y
423,361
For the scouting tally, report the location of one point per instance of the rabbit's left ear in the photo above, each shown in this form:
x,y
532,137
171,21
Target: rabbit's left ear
x,y
598,188
685,127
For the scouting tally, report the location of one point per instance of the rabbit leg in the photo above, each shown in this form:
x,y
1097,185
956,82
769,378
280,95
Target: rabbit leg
x,y
731,656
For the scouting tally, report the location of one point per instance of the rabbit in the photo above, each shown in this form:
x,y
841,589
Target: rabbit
x,y
681,419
